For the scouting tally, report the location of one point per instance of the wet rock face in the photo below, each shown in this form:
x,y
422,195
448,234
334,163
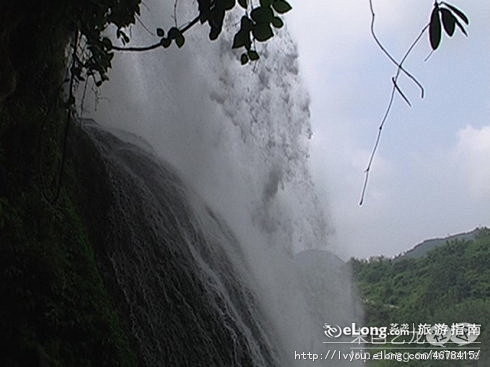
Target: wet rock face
x,y
8,75
181,294
3,181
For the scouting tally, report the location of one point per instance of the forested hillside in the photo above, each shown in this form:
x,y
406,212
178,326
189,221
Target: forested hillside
x,y
450,284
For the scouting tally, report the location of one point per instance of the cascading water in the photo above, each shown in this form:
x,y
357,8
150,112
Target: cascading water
x,y
198,293
185,300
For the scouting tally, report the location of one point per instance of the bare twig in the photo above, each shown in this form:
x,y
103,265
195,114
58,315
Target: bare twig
x,y
429,56
144,26
175,12
376,144
391,58
400,92
82,104
392,94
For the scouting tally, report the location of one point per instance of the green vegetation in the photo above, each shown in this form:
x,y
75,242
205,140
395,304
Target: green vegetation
x,y
56,308
450,284
57,305
423,248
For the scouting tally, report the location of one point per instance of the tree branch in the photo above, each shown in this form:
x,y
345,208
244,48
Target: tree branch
x,y
392,94
155,45
391,58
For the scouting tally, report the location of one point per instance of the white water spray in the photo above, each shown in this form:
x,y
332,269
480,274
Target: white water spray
x,y
239,138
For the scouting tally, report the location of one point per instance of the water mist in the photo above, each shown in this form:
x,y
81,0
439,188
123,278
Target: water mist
x,y
238,138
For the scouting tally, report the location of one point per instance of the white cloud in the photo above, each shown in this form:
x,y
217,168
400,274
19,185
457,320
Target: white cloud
x,y
426,180
473,154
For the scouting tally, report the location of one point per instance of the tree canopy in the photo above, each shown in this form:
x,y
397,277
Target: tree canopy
x,y
96,17
93,19
449,284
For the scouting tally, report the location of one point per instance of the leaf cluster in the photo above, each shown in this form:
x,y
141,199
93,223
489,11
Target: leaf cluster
x,y
95,17
450,17
258,25
174,34
91,19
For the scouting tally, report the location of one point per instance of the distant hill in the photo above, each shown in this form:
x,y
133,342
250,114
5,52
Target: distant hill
x,y
423,248
442,281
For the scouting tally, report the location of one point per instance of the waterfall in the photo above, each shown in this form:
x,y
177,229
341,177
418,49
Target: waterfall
x,y
182,292
210,228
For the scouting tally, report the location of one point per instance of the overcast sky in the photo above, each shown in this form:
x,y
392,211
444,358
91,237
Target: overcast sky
x,y
431,175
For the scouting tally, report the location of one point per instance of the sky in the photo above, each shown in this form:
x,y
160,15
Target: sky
x,y
430,176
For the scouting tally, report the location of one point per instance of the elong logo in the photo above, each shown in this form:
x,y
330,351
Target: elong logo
x,y
335,331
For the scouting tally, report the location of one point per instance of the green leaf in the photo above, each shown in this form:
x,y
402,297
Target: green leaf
x,y
253,55
246,24
204,10
180,40
165,42
107,43
173,33
460,26
277,22
262,15
216,18
240,39
281,6
243,3
266,3
448,21
120,34
458,12
262,32
244,59
214,33
435,28
160,32
227,4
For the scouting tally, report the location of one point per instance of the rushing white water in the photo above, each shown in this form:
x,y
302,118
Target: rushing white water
x,y
239,138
